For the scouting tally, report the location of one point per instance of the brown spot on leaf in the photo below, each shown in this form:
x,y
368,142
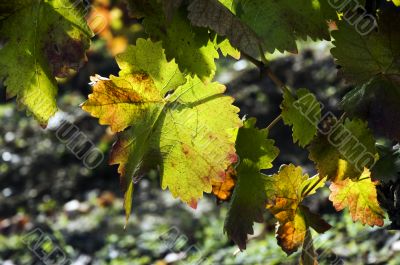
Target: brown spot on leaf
x,y
64,54
185,149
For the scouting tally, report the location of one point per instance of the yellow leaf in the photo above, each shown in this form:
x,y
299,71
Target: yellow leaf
x,y
360,197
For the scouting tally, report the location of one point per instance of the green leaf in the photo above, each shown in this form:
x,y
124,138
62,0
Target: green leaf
x,y
44,40
190,46
280,23
285,193
362,57
214,15
360,197
188,134
165,75
226,48
170,8
303,114
247,206
254,24
378,102
387,168
344,150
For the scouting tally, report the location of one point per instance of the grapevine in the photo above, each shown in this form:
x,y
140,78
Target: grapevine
x,y
170,115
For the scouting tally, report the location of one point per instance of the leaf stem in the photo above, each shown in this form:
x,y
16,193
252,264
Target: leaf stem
x,y
275,121
313,186
264,68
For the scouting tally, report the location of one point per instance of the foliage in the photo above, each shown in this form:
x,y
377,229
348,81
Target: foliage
x,y
249,196
44,40
170,115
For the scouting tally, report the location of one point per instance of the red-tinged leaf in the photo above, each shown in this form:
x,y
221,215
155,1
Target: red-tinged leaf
x,y
359,197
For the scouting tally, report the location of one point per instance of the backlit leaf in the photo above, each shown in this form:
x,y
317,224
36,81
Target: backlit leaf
x,y
280,23
359,197
188,133
43,40
190,46
285,193
303,113
269,25
247,206
343,150
223,190
214,15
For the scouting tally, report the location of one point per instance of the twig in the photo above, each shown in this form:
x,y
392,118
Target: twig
x,y
264,68
313,186
275,121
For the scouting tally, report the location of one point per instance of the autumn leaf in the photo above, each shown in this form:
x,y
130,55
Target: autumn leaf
x,y
43,40
223,190
303,113
186,129
285,193
247,205
359,197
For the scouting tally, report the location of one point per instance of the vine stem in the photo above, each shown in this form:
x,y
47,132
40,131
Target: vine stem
x,y
264,68
275,121
313,186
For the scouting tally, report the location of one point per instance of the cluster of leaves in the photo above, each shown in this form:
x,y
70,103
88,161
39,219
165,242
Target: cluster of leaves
x,y
170,116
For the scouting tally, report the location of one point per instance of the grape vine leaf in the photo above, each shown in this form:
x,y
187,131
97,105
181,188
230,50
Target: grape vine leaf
x,y
364,56
378,102
214,15
303,113
396,2
344,150
165,74
279,24
188,133
226,48
360,197
43,40
247,206
223,190
170,8
190,46
285,193
387,168
254,24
